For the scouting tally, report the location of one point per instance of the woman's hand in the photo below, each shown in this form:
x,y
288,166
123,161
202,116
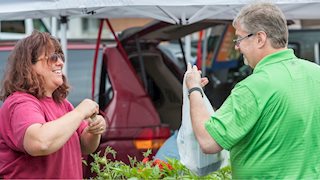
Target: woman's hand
x,y
90,138
97,126
87,108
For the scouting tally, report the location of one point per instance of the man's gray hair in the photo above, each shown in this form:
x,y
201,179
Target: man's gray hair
x,y
265,17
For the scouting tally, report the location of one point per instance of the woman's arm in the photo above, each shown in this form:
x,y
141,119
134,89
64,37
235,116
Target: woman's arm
x,y
90,137
47,138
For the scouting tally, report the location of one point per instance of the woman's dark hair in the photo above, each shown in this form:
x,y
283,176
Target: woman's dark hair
x,y
19,74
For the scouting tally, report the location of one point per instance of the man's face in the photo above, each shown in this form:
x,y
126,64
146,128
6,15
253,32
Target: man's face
x,y
244,44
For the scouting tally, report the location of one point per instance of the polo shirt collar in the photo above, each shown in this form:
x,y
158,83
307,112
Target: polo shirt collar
x,y
279,56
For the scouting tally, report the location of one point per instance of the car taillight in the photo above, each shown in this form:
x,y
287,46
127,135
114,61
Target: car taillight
x,y
149,144
152,138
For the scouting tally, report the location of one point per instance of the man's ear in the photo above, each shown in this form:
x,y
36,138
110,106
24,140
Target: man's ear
x,y
261,38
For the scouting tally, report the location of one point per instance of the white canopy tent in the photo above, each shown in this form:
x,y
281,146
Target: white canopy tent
x,y
172,11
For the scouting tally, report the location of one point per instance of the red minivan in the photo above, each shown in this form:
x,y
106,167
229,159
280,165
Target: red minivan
x,y
138,84
139,90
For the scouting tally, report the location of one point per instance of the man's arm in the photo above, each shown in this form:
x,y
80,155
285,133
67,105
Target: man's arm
x,y
199,113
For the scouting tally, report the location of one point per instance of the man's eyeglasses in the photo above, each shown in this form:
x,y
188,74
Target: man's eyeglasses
x,y
237,41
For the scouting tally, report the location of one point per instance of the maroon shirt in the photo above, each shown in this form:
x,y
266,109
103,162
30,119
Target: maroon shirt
x,y
18,112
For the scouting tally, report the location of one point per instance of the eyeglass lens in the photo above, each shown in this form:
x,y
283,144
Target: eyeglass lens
x,y
55,56
239,39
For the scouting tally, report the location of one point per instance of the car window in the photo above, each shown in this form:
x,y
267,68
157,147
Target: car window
x,y
3,62
174,53
13,26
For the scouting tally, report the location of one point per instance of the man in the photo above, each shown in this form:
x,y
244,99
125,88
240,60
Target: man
x,y
270,123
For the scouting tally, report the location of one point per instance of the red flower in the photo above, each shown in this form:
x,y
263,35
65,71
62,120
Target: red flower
x,y
169,166
145,160
157,161
161,164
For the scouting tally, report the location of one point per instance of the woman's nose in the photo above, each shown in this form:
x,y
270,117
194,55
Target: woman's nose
x,y
59,61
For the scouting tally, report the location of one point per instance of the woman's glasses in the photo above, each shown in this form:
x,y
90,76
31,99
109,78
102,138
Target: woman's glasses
x,y
53,58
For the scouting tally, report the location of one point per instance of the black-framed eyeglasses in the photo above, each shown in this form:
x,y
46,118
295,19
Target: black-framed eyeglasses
x,y
238,40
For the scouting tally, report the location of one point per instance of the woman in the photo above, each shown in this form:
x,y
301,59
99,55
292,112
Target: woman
x,y
41,134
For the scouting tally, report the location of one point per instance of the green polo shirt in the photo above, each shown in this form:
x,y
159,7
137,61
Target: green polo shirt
x,y
271,120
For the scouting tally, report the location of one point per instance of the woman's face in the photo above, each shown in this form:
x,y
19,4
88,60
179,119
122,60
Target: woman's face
x,y
50,67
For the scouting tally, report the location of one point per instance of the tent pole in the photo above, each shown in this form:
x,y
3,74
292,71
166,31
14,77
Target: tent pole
x,y
54,26
187,47
207,32
63,39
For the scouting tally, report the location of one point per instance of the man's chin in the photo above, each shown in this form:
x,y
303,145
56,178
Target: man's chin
x,y
245,61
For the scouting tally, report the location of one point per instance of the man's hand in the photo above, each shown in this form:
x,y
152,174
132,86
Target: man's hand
x,y
193,77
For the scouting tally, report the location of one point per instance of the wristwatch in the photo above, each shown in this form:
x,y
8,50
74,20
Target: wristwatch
x,y
195,89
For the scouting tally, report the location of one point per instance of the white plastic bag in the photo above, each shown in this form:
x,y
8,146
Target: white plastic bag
x,y
190,152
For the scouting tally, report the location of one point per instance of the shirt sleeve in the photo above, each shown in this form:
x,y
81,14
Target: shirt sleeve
x,y
24,113
235,118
